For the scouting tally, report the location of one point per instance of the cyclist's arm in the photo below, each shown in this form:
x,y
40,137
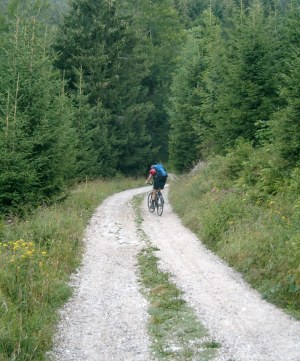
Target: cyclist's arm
x,y
149,178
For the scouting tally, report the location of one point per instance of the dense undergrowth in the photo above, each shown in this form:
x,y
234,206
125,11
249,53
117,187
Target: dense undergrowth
x,y
247,210
37,256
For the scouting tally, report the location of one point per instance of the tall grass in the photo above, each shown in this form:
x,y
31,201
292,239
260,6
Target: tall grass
x,y
256,232
37,256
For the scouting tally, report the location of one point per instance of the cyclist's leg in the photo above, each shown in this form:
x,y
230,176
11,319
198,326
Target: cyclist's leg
x,y
150,202
160,204
159,185
155,189
154,193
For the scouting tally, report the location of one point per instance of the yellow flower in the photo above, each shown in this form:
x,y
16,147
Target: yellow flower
x,y
16,246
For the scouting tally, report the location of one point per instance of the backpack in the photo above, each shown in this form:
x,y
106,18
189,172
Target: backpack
x,y
160,171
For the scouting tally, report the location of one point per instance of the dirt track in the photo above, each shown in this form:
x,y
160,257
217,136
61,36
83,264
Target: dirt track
x,y
107,317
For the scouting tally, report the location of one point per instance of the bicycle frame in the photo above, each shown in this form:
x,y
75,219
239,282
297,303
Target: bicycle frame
x,y
158,202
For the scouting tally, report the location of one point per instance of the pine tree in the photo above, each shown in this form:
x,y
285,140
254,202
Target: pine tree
x,y
210,80
104,52
161,31
183,103
285,125
37,153
248,95
194,93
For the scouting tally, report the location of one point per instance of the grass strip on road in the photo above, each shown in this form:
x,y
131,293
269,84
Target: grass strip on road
x,y
175,332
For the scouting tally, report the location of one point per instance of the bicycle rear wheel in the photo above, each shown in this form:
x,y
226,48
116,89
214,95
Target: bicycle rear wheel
x,y
151,209
160,204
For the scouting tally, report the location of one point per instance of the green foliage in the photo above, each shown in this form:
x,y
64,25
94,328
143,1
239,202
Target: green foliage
x,y
285,127
161,38
225,85
192,93
237,78
107,72
37,146
183,146
248,94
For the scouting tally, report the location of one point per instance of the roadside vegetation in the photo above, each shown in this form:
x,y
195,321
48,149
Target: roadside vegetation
x,y
175,332
37,256
247,211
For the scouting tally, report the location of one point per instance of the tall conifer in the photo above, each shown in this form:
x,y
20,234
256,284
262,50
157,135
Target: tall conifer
x,y
285,125
37,153
97,37
248,94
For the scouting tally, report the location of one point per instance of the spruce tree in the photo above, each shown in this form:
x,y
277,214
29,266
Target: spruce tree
x,y
285,125
104,52
194,92
37,153
161,31
248,94
183,104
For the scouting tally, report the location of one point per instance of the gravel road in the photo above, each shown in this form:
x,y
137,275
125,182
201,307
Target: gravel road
x,y
106,319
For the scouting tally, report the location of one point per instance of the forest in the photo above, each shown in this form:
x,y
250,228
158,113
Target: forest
x,y
93,89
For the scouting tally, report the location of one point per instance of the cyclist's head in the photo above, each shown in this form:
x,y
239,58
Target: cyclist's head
x,y
152,171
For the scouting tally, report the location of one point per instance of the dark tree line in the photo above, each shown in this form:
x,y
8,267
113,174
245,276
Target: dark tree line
x,y
94,88
238,79
124,53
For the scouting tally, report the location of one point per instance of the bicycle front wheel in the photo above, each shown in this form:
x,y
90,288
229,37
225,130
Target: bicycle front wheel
x,y
151,209
160,204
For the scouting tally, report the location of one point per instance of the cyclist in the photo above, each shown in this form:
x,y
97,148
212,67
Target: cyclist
x,y
159,175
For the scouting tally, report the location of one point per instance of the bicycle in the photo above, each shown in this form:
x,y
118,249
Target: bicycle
x,y
158,203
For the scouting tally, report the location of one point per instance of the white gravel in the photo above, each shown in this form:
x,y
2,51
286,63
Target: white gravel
x,y
106,319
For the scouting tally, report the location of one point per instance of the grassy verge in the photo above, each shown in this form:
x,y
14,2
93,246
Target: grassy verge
x,y
37,256
255,231
175,332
